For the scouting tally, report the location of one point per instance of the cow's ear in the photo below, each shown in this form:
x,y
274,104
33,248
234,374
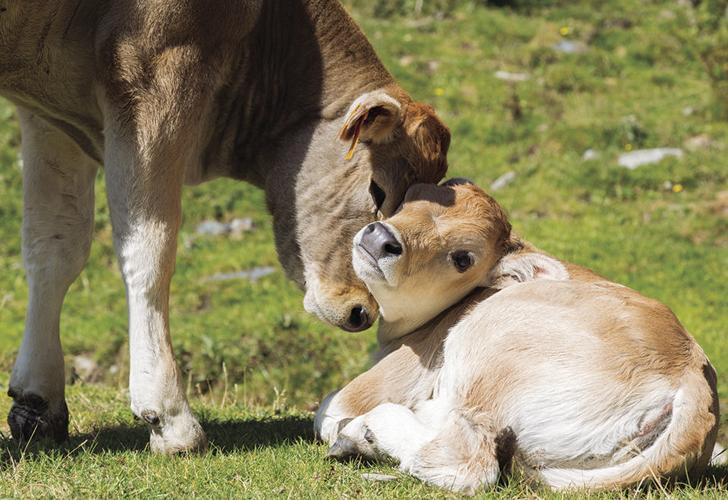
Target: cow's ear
x,y
521,267
372,117
429,135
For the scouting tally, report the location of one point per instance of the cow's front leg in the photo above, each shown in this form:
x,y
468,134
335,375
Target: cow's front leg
x,y
58,185
144,183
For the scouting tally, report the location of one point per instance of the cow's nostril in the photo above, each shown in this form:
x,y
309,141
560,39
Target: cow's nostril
x,y
393,248
358,319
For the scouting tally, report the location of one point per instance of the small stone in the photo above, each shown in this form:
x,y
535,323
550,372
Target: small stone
x,y
511,77
641,157
85,368
253,274
432,67
688,111
570,47
590,154
702,141
503,181
372,476
236,227
405,61
240,226
212,227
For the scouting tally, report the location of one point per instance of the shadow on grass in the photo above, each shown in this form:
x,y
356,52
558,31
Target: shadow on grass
x,y
714,477
225,436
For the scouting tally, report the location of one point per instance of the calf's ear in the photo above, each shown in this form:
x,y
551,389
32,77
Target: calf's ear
x,y
521,267
372,117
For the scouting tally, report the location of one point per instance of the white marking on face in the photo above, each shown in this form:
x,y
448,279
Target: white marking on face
x,y
375,271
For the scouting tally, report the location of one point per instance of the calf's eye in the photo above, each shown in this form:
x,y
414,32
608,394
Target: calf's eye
x,y
462,260
378,194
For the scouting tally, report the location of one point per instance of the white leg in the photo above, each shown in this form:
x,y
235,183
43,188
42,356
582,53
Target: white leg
x,y
144,187
456,450
58,184
331,417
389,430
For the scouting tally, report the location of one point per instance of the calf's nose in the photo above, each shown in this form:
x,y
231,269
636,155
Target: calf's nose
x,y
379,241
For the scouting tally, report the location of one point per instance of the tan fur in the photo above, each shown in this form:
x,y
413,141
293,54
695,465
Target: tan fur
x,y
620,343
164,92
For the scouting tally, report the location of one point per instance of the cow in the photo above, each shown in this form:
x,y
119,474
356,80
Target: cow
x,y
493,353
287,95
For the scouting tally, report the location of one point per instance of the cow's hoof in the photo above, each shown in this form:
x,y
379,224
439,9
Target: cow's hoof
x,y
178,434
31,418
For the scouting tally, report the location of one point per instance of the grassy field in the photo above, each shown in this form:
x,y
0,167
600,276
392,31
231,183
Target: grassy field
x,y
257,363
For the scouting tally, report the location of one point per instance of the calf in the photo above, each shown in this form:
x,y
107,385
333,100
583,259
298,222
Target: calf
x,y
493,352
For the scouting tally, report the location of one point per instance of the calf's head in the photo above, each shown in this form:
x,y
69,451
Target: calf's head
x,y
386,143
444,242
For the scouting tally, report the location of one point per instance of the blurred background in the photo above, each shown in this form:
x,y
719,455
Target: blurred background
x,y
551,105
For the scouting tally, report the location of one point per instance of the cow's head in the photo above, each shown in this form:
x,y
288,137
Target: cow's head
x,y
385,144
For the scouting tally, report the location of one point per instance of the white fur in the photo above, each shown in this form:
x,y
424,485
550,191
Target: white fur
x,y
326,421
58,183
385,277
522,267
399,433
145,214
579,421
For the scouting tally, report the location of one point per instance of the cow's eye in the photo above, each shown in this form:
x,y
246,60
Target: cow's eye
x,y
378,194
462,260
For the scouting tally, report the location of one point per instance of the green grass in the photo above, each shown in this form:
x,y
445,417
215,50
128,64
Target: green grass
x,y
253,453
254,344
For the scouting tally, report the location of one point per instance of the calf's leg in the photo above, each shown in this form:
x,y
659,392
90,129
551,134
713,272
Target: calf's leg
x,y
58,196
400,377
454,449
388,430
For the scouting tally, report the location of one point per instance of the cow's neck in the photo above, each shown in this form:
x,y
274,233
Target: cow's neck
x,y
328,64
350,66
303,62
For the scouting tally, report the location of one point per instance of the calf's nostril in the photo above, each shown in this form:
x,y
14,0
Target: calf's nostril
x,y
379,241
393,248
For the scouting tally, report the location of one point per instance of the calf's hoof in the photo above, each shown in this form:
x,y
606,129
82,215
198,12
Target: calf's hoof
x,y
175,434
343,449
32,418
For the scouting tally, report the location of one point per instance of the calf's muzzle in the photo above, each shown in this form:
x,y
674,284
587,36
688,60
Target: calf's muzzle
x,y
379,242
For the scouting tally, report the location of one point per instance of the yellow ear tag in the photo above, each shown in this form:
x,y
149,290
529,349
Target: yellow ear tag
x,y
355,137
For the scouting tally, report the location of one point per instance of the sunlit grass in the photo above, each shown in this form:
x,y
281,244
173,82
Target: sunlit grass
x,y
636,85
